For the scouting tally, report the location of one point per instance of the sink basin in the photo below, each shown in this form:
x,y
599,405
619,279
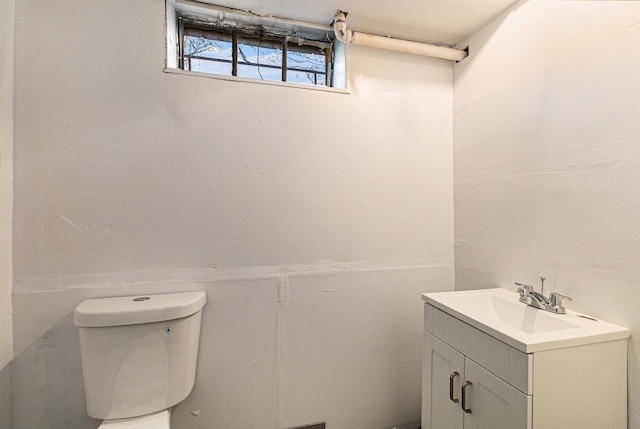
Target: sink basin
x,y
510,312
499,313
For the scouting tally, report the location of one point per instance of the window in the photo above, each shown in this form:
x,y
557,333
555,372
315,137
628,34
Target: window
x,y
226,42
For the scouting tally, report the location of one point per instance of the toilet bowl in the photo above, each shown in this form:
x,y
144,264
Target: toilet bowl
x,y
139,356
159,420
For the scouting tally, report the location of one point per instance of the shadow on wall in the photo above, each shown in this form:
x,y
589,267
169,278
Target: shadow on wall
x,y
47,377
483,36
633,373
5,397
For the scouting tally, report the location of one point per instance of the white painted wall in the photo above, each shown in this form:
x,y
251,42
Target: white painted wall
x,y
7,16
547,160
313,220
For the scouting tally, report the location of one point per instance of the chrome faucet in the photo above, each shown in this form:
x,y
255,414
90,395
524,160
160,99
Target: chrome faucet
x,y
537,300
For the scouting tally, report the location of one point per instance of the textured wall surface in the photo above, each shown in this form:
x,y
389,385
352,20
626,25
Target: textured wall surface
x,y
313,220
547,161
7,14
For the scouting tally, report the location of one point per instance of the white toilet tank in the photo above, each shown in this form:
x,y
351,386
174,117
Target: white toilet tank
x,y
139,353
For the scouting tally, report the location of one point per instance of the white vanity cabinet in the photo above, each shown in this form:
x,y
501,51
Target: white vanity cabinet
x,y
472,379
459,393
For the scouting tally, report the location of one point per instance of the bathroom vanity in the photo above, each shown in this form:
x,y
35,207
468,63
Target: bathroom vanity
x,y
490,361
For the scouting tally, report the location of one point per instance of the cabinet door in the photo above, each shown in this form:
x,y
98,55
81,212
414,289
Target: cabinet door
x,y
494,404
442,370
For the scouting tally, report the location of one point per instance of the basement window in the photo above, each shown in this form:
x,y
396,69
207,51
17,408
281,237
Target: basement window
x,y
233,44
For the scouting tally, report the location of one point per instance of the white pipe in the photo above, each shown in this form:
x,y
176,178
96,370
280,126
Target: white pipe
x,y
347,36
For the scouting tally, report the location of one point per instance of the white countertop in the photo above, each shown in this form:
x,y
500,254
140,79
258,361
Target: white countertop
x,y
499,313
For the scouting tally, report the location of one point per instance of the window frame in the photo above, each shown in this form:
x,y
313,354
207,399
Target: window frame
x,y
186,17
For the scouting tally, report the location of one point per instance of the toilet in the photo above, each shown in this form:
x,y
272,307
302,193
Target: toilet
x,y
139,356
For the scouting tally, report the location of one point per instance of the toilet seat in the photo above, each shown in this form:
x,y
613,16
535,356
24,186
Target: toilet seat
x,y
159,420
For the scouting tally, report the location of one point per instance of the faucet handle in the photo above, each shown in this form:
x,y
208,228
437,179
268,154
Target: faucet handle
x,y
555,299
523,289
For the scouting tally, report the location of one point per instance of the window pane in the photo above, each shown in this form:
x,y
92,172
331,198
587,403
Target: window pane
x,y
306,64
207,55
259,62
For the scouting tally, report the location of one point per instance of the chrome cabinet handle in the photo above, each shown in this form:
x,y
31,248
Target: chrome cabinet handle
x,y
464,396
453,375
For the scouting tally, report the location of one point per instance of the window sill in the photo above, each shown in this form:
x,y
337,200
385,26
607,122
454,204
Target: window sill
x,y
172,70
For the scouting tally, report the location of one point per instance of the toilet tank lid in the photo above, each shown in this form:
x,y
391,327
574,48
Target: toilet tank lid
x,y
134,310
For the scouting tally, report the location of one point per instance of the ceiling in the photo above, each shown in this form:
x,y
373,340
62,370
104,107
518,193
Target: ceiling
x,y
436,21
